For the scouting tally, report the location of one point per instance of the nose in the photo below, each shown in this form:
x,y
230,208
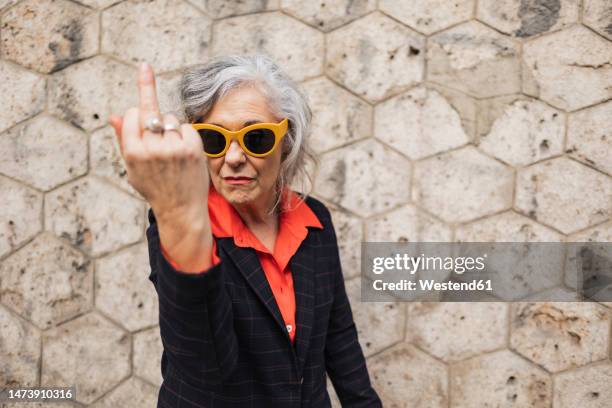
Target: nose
x,y
235,155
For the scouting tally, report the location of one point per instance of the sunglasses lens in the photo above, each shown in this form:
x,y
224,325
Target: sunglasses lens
x,y
213,141
259,141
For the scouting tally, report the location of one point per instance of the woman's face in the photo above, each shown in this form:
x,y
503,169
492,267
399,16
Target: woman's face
x,y
241,107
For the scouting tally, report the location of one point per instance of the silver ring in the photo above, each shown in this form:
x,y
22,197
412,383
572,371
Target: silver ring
x,y
154,125
170,127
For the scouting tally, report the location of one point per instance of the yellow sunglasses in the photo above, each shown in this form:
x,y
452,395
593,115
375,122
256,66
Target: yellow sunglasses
x,y
258,139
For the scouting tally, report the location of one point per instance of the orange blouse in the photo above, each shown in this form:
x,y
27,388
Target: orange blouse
x,y
226,222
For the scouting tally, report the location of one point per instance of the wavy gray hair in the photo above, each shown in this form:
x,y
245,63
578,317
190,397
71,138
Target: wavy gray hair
x,y
201,86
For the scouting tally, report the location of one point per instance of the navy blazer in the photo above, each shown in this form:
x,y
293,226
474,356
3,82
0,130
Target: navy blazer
x,y
225,343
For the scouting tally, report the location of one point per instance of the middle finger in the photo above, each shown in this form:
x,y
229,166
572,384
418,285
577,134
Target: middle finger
x,y
149,107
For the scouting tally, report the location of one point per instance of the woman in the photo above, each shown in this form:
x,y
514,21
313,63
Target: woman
x,y
253,308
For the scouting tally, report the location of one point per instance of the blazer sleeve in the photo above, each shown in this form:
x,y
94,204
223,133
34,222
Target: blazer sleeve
x,y
195,318
344,359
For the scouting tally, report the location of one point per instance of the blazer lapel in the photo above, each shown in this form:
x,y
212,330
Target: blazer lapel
x,y
248,263
302,270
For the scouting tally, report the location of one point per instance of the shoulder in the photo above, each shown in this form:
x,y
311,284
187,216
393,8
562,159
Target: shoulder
x,y
320,209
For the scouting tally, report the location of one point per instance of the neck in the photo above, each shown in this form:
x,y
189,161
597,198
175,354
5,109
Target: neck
x,y
257,214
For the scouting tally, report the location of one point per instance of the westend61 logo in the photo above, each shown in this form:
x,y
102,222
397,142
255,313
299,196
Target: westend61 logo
x,y
413,264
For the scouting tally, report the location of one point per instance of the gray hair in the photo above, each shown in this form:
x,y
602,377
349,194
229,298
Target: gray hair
x,y
202,86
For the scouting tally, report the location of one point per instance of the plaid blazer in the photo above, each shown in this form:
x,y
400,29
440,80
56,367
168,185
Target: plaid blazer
x,y
225,343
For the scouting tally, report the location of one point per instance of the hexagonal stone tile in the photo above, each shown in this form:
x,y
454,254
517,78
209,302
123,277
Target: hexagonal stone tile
x,y
223,8
106,160
375,57
560,335
589,136
44,152
5,4
351,177
419,123
76,212
335,401
587,387
71,92
147,355
329,15
19,105
20,351
345,120
49,35
555,192
168,93
349,232
20,216
454,331
297,48
88,352
404,376
596,14
526,18
462,185
525,131
428,16
407,224
160,32
379,324
46,281
599,233
569,69
474,58
120,292
499,379
99,4
132,393
506,227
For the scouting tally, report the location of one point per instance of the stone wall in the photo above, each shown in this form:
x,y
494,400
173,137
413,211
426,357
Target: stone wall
x,y
434,120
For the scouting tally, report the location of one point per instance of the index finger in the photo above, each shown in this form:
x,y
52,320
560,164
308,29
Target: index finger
x,y
149,107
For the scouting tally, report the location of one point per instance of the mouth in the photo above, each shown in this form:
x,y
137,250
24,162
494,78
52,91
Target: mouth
x,y
238,180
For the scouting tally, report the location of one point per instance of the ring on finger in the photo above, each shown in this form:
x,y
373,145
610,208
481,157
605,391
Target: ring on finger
x,y
171,126
154,125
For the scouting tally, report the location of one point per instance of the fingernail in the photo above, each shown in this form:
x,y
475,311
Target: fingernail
x,y
143,67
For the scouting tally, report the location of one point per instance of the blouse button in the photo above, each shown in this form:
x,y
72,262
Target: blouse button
x,y
289,328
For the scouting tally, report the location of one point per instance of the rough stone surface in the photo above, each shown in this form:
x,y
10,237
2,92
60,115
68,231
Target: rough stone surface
x,y
558,336
375,57
589,136
297,48
588,387
123,291
526,18
349,233
224,8
462,185
406,377
44,152
554,192
99,4
427,16
500,379
351,176
346,120
379,324
46,281
522,131
597,14
23,94
68,31
20,217
20,351
132,393
327,16
96,226
407,224
434,327
419,123
147,355
73,89
165,33
92,339
569,69
106,161
474,58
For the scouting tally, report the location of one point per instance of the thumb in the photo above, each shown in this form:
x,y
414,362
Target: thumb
x,y
117,124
